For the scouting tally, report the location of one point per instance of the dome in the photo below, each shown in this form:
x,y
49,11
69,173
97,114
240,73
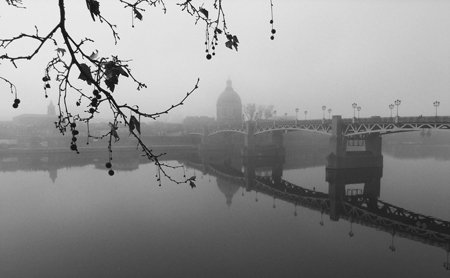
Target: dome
x,y
229,97
229,105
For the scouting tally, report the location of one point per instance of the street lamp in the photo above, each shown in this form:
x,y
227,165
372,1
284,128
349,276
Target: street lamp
x,y
436,104
274,116
306,112
391,106
296,115
354,107
359,109
285,116
397,103
329,114
323,114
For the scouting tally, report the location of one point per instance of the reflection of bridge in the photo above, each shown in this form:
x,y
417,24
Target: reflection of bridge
x,y
362,208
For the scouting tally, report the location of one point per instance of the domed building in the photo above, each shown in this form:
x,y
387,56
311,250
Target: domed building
x,y
229,105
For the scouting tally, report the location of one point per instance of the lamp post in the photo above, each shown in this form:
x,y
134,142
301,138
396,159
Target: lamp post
x,y
306,112
274,116
296,115
436,104
285,116
323,109
329,114
359,109
391,106
397,103
354,105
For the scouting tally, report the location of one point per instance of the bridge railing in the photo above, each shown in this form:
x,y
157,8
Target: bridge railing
x,y
373,119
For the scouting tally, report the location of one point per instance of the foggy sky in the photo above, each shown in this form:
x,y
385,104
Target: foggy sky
x,y
325,52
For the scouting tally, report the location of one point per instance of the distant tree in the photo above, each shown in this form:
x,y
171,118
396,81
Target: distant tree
x,y
101,74
253,111
268,111
260,111
250,111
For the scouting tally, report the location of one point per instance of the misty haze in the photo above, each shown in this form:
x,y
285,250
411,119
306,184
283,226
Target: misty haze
x,y
301,138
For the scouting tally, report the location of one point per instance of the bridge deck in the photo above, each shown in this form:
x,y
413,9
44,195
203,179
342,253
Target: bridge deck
x,y
350,127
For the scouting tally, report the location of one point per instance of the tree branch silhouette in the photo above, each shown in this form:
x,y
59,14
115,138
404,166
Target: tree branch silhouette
x,y
101,74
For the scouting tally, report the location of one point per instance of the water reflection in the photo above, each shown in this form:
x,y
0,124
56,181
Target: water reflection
x,y
360,206
352,201
50,161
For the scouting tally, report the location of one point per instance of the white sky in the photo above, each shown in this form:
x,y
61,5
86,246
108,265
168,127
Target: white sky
x,y
325,52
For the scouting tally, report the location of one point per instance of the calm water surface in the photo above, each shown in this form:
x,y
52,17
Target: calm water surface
x,y
87,224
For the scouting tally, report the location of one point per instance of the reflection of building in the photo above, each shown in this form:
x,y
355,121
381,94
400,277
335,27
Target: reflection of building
x,y
229,105
228,188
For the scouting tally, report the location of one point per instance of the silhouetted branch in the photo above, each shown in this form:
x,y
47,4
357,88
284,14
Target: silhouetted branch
x,y
100,73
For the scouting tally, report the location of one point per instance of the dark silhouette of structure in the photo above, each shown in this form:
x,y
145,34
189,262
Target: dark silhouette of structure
x,y
229,106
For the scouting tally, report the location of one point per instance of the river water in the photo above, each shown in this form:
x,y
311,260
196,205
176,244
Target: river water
x,y
63,219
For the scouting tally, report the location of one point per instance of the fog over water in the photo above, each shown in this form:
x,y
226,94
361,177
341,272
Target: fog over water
x,y
286,204
74,221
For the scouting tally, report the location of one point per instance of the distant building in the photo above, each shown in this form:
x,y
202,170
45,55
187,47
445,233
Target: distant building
x,y
229,105
38,120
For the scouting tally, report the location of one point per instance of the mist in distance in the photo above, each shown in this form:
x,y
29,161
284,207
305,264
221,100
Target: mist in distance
x,y
331,53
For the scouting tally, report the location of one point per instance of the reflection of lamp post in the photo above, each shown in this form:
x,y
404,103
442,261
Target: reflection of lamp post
x,y
306,112
351,233
296,115
392,247
436,104
447,264
329,114
323,114
274,116
359,109
391,106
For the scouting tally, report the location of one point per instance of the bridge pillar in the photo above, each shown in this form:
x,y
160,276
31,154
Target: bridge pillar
x,y
373,144
249,140
336,193
249,172
228,140
205,164
372,192
338,144
205,133
277,169
277,140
